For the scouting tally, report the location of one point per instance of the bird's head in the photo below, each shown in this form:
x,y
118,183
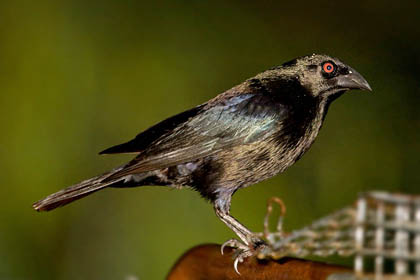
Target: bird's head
x,y
324,76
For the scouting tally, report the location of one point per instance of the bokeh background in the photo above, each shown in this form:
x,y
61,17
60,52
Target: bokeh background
x,y
79,76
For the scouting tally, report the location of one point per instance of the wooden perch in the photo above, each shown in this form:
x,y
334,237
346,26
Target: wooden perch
x,y
205,262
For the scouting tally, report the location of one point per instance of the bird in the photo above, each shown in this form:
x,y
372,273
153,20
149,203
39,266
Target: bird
x,y
242,136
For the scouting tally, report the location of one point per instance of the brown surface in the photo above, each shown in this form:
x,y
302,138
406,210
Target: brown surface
x,y
205,262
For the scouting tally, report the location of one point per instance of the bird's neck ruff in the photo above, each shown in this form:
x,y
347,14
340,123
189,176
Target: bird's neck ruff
x,y
318,119
303,139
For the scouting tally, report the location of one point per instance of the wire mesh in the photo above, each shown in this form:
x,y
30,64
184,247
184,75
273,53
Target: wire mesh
x,y
381,228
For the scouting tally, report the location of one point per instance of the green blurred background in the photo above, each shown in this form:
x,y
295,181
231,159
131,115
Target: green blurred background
x,y
79,76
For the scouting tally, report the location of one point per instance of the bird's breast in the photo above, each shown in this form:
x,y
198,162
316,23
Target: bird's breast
x,y
249,164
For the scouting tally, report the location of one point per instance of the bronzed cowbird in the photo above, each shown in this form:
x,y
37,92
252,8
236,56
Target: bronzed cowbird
x,y
247,134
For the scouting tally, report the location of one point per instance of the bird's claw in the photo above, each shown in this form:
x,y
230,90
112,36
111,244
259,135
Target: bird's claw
x,y
242,250
234,243
241,255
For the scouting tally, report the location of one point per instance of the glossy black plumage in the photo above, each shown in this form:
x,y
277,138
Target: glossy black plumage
x,y
242,136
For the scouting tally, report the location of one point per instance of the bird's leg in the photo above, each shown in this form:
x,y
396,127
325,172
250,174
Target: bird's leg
x,y
222,209
241,231
251,243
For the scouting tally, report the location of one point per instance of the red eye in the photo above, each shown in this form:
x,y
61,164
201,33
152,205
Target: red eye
x,y
328,67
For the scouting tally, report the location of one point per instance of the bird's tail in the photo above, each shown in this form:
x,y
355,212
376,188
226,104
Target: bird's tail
x,y
75,192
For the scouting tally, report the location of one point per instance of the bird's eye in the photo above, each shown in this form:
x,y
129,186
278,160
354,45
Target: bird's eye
x,y
328,67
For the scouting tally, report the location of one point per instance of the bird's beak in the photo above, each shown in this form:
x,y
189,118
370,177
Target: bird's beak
x,y
353,80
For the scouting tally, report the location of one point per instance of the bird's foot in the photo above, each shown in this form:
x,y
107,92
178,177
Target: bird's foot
x,y
243,251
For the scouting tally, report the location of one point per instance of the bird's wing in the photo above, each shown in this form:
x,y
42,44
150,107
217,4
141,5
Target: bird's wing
x,y
145,138
237,121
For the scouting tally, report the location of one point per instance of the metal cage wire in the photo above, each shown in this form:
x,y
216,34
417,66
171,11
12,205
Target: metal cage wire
x,y
380,227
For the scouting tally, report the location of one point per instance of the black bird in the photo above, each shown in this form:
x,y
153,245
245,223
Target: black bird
x,y
247,134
